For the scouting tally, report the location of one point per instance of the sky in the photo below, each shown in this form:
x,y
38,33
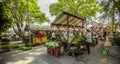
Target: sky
x,y
44,6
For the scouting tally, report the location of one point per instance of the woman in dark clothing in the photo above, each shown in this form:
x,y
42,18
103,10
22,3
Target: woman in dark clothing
x,y
105,34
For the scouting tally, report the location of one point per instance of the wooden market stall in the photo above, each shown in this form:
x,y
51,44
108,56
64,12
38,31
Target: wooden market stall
x,y
69,22
36,29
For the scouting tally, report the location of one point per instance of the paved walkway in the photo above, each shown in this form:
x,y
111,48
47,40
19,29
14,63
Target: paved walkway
x,y
38,55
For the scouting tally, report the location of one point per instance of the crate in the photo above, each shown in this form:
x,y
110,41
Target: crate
x,y
50,51
57,52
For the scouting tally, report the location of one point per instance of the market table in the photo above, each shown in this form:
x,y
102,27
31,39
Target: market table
x,y
69,22
37,40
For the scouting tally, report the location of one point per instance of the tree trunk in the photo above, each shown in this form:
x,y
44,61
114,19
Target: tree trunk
x,y
18,23
14,30
0,36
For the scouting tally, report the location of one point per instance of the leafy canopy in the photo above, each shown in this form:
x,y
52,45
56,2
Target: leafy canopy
x,y
86,8
5,20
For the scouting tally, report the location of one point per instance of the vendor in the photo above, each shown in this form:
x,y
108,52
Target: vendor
x,y
53,36
88,40
40,35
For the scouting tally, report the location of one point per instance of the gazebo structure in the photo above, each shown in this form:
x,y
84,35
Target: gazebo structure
x,y
69,22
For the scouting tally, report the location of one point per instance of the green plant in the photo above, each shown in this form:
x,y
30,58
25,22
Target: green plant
x,y
116,40
25,48
5,35
13,46
73,48
5,47
26,39
5,41
52,44
80,38
0,47
35,44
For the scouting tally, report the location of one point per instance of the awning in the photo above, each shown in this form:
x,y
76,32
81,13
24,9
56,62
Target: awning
x,y
67,19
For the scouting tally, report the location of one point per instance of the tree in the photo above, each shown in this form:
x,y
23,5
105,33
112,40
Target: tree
x,y
5,20
87,8
19,13
110,8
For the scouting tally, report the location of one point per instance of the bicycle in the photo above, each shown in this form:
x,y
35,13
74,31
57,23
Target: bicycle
x,y
114,51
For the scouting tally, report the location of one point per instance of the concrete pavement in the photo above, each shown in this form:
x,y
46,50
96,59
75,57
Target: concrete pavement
x,y
38,55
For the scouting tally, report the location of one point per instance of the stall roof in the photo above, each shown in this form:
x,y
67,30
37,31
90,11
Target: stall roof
x,y
73,20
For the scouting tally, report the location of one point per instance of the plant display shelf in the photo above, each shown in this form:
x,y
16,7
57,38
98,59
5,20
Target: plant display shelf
x,y
68,21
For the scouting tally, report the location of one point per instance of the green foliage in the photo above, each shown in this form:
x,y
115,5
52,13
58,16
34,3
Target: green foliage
x,y
5,41
18,9
80,39
52,44
7,46
73,48
4,47
5,35
26,39
109,7
19,13
116,40
5,20
35,44
25,48
13,46
87,8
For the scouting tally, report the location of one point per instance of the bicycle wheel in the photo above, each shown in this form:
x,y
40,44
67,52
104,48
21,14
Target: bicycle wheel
x,y
114,51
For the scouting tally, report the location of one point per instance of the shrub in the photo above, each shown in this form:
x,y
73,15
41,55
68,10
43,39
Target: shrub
x,y
116,40
80,38
13,46
26,39
5,47
5,41
5,35
25,47
0,47
35,44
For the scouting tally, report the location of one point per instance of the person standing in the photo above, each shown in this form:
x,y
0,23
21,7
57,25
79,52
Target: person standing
x,y
104,34
88,40
40,35
53,36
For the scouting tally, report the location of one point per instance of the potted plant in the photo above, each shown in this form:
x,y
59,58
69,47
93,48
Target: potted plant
x,y
116,40
53,48
80,39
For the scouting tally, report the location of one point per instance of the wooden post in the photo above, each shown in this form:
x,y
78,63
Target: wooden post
x,y
74,31
68,28
82,27
61,32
